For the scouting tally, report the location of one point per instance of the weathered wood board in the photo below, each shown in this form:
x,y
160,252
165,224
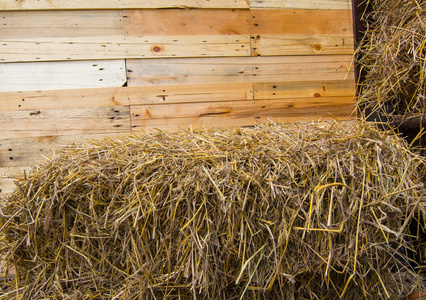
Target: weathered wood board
x,y
302,4
301,21
304,89
239,69
8,175
120,4
119,47
61,75
80,98
268,45
20,25
187,22
31,151
33,123
239,113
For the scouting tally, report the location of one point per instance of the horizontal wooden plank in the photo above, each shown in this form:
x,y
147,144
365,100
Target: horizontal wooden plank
x,y
301,21
75,98
7,186
121,4
8,175
302,4
264,45
238,69
38,24
118,47
239,113
186,22
304,89
61,75
32,151
32,123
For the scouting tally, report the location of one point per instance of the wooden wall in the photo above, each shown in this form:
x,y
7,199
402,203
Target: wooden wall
x,y
71,70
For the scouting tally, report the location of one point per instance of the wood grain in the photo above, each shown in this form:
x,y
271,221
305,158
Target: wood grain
x,y
121,4
119,47
304,89
301,22
8,175
32,151
83,98
266,45
239,113
61,75
302,4
19,25
238,69
34,123
186,22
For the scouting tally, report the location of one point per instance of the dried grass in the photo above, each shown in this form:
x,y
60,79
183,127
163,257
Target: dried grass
x,y
290,211
393,57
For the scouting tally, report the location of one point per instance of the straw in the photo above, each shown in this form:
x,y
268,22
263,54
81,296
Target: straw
x,y
276,211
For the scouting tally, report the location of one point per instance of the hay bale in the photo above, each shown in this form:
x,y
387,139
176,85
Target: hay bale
x,y
393,57
290,211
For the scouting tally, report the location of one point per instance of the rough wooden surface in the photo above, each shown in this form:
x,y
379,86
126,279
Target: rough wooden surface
x,y
19,25
301,21
33,123
304,89
239,69
61,75
118,47
120,4
267,45
187,22
102,97
240,113
302,4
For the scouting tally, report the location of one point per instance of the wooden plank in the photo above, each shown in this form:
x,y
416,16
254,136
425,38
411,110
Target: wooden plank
x,y
239,113
238,69
121,4
40,100
301,22
61,75
33,123
32,151
7,177
20,25
302,4
186,22
264,45
118,47
304,89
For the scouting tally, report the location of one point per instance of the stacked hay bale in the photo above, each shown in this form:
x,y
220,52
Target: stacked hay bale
x,y
290,211
393,57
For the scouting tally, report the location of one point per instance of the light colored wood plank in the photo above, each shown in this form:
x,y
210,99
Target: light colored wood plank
x,y
239,113
302,4
301,22
264,45
238,69
8,175
118,47
33,123
7,186
20,25
79,98
32,151
121,4
61,75
187,22
304,89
